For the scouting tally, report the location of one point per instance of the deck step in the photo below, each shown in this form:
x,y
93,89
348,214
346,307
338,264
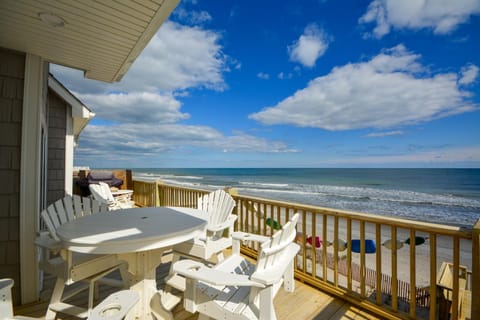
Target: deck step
x,y
169,301
177,281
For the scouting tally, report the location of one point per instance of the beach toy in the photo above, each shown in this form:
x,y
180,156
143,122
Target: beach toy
x,y
318,241
342,245
273,223
388,244
370,246
418,240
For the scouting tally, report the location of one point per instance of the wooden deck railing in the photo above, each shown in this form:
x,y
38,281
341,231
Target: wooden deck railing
x,y
384,282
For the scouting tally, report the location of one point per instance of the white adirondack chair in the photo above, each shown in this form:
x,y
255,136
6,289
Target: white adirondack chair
x,y
71,267
238,289
101,192
114,307
218,206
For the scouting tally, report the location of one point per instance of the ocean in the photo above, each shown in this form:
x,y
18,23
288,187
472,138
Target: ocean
x,y
449,196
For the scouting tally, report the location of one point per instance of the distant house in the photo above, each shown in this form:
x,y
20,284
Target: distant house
x,y
40,119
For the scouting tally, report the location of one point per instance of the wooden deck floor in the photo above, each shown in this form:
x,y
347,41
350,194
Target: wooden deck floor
x,y
305,303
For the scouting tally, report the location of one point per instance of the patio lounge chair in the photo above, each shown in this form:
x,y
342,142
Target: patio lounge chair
x,y
101,192
71,267
236,288
218,206
114,307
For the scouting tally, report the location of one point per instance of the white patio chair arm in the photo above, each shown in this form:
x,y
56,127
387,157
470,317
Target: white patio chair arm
x,y
245,236
44,241
285,260
197,271
222,226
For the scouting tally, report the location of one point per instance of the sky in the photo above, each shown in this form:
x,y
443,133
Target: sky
x,y
312,83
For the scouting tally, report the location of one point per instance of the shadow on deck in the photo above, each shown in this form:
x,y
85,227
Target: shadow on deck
x,y
305,303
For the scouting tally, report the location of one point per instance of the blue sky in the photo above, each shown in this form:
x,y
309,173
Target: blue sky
x,y
380,83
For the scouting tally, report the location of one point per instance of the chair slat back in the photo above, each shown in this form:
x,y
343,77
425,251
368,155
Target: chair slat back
x,y
77,206
218,205
87,208
272,250
107,193
60,209
68,209
50,218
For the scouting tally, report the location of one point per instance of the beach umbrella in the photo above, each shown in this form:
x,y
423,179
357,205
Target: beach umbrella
x,y
388,244
418,240
370,246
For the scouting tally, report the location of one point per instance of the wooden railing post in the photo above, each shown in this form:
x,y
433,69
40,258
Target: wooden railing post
x,y
231,191
159,199
475,312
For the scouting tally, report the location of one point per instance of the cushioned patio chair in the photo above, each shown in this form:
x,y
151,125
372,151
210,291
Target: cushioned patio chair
x,y
102,193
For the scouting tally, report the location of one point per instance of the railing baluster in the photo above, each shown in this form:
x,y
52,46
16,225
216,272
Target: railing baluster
x,y
378,260
456,272
412,274
335,251
304,240
324,247
433,276
362,259
349,254
394,270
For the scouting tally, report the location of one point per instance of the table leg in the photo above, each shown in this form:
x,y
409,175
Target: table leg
x,y
142,276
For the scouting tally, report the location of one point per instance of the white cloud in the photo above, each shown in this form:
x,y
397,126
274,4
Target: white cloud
x,y
192,17
311,45
469,74
142,139
384,134
283,75
262,75
140,107
443,16
390,90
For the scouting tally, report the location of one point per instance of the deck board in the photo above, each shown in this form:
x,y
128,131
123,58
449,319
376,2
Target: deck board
x,y
305,303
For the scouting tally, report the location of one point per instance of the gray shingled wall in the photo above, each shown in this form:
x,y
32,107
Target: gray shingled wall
x,y
12,70
57,113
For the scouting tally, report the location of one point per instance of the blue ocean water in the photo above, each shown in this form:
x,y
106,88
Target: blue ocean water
x,y
450,196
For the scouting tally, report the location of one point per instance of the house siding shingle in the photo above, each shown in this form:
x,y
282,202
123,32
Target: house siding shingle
x,y
57,130
12,70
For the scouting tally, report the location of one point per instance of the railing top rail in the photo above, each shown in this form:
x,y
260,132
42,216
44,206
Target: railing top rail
x,y
372,218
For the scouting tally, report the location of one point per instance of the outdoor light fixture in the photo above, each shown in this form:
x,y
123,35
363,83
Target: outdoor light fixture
x,y
52,19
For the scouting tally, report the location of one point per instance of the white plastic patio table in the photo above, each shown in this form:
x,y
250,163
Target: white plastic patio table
x,y
138,236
